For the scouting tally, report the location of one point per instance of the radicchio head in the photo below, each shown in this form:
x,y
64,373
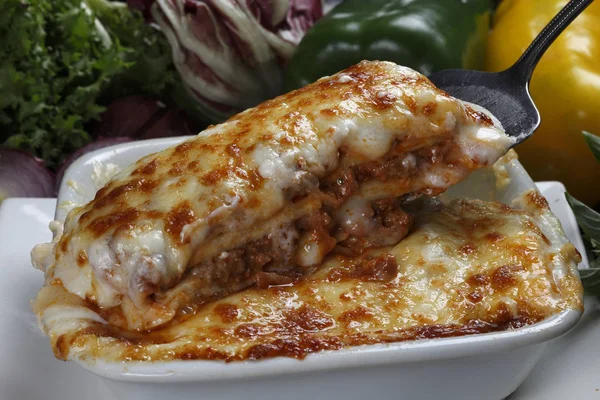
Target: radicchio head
x,y
229,53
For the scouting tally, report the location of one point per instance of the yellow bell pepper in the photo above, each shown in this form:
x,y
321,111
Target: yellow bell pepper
x,y
565,86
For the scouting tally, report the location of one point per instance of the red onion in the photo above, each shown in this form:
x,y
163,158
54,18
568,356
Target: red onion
x,y
142,117
229,53
22,175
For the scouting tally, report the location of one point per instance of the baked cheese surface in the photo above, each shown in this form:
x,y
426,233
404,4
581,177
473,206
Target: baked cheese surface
x,y
467,267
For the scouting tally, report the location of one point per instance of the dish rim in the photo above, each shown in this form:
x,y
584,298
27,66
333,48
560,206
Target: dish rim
x,y
362,356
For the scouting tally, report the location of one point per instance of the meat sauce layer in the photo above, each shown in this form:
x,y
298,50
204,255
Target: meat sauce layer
x,y
294,250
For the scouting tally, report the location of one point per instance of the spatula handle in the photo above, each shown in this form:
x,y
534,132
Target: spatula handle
x,y
525,65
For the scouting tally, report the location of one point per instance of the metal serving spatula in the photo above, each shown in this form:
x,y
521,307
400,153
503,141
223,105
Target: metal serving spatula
x,y
506,93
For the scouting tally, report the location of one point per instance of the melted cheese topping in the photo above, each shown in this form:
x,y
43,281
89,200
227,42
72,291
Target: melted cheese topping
x,y
231,184
468,267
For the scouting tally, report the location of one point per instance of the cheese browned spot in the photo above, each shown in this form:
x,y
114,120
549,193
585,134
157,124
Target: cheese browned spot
x,y
228,312
82,258
182,215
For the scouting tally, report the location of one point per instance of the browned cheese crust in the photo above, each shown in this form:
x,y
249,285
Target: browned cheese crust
x,y
466,268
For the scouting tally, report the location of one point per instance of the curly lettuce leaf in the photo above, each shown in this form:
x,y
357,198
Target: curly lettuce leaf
x,y
55,61
62,61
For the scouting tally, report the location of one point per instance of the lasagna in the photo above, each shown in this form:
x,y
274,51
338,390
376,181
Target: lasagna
x,y
466,267
264,197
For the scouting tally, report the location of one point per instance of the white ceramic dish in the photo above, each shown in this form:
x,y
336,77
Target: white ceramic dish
x,y
29,371
484,366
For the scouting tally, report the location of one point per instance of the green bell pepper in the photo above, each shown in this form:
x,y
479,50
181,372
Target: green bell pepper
x,y
426,35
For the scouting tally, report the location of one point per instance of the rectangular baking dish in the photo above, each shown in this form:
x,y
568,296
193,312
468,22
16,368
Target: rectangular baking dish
x,y
480,367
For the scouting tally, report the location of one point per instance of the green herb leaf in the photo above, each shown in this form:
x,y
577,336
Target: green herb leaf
x,y
590,277
588,219
589,222
593,141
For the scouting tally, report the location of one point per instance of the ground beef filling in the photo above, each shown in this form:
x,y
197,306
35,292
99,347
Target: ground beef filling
x,y
284,256
292,251
268,259
388,224
399,164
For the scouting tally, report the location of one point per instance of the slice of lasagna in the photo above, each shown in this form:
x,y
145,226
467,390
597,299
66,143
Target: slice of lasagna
x,y
264,197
